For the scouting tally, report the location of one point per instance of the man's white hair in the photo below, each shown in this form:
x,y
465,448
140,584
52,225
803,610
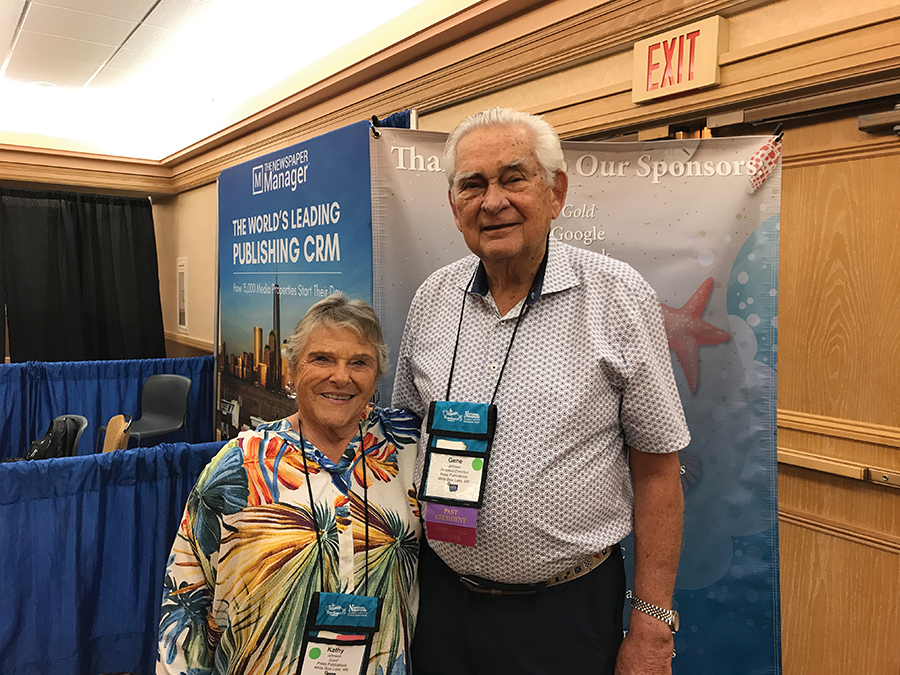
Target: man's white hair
x,y
546,141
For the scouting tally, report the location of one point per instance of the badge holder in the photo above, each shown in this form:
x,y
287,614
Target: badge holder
x,y
458,452
339,632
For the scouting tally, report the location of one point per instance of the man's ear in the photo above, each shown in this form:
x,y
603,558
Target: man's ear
x,y
453,208
560,189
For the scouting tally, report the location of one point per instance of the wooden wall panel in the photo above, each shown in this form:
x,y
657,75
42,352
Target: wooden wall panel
x,y
839,306
840,600
851,504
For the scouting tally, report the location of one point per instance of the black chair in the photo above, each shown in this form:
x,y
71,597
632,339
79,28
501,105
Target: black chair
x,y
164,406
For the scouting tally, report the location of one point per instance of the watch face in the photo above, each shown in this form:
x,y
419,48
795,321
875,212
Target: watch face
x,y
675,622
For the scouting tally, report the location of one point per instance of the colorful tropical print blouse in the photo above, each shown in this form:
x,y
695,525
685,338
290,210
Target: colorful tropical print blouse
x,y
245,562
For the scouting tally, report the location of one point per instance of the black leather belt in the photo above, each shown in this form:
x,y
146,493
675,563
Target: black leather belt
x,y
480,585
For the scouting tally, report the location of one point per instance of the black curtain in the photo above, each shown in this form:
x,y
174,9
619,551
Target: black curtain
x,y
79,277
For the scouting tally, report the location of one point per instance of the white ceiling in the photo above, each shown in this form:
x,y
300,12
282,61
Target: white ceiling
x,y
146,78
77,43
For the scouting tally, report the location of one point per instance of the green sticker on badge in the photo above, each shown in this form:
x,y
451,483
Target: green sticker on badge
x,y
477,464
315,653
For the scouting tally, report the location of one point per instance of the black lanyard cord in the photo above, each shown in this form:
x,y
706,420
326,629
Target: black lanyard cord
x,y
312,508
508,347
458,330
362,446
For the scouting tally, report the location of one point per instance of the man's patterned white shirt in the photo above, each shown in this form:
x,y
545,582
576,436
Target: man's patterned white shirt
x,y
588,374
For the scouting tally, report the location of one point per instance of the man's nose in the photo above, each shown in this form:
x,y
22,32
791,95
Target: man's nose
x,y
494,199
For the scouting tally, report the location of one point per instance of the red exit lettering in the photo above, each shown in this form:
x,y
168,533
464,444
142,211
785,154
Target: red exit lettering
x,y
675,59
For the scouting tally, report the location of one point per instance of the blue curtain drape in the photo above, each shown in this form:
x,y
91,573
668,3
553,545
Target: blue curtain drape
x,y
85,545
14,407
397,120
34,393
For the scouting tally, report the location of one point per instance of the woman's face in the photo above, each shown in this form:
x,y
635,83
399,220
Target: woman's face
x,y
336,375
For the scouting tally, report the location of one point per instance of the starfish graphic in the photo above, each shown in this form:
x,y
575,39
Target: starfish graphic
x,y
687,331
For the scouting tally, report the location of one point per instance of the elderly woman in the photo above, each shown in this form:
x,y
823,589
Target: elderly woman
x,y
313,506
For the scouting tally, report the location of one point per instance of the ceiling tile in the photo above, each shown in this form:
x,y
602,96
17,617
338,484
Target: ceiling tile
x,y
128,60
79,25
175,13
30,68
10,11
110,77
129,10
65,49
151,39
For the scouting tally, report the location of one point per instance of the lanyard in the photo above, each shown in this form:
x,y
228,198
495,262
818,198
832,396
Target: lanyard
x,y
522,311
312,507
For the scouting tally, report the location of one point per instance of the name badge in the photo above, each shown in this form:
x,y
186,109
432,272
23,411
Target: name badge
x,y
339,632
458,452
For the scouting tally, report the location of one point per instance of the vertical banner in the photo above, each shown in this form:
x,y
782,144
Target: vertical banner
x,y
412,225
699,219
294,226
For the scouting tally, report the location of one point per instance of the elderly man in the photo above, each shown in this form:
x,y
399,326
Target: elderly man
x,y
558,358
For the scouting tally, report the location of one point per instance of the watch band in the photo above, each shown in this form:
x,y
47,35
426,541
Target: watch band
x,y
667,616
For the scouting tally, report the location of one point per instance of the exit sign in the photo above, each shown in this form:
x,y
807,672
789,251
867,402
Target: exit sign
x,y
680,60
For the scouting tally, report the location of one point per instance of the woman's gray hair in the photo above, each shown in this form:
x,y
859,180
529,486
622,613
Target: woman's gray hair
x,y
546,141
337,311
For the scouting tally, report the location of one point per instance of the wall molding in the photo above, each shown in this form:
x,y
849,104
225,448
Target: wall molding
x,y
871,539
810,104
839,428
835,467
811,35
877,148
62,177
208,171
188,341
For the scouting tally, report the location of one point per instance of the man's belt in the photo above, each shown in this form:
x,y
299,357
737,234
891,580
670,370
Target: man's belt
x,y
585,565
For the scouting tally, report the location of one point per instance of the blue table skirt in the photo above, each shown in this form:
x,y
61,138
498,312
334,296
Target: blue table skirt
x,y
85,542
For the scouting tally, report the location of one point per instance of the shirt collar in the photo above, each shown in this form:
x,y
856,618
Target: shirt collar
x,y
554,274
480,284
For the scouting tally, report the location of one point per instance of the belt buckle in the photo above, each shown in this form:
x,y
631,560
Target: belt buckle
x,y
581,568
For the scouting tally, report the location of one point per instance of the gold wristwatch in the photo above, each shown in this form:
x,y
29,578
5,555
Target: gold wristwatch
x,y
667,616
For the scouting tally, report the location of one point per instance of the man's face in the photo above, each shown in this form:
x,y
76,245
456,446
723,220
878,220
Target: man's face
x,y
500,201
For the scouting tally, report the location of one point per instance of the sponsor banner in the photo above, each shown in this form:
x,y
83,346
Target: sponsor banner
x,y
700,220
294,226
412,226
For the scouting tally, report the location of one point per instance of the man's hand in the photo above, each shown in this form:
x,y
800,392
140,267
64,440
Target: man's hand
x,y
647,648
